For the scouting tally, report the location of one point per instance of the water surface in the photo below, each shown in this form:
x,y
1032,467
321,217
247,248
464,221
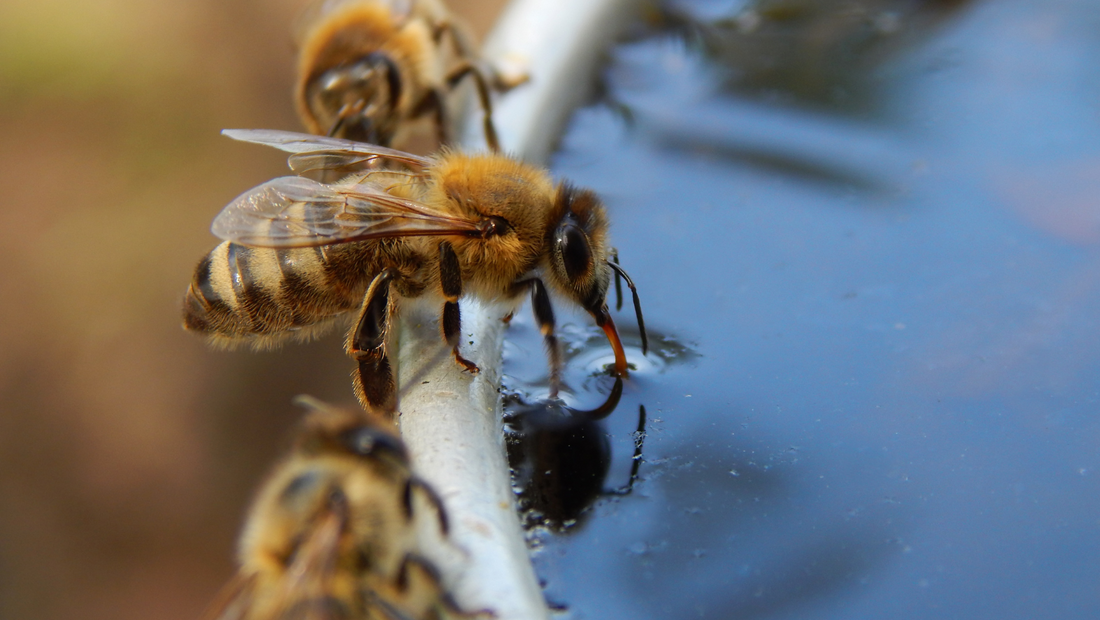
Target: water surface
x,y
873,303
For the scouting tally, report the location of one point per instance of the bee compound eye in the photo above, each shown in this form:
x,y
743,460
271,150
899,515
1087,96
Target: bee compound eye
x,y
298,491
361,441
367,441
576,255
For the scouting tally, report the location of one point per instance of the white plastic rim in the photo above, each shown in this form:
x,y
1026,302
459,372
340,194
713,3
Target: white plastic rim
x,y
557,43
450,419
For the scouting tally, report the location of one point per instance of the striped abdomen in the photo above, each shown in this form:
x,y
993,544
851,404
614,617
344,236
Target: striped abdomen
x,y
250,294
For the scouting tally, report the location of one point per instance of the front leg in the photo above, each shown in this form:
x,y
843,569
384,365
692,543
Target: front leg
x,y
374,384
471,70
432,102
450,280
544,316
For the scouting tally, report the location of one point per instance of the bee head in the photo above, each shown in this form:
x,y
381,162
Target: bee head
x,y
579,263
578,248
578,259
357,100
357,434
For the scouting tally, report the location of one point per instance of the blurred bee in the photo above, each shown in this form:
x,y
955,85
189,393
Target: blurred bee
x,y
331,534
301,252
368,67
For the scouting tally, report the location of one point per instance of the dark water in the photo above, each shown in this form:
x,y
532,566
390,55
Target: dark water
x,y
873,385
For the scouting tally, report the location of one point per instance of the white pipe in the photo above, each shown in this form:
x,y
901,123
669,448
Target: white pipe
x,y
451,420
557,44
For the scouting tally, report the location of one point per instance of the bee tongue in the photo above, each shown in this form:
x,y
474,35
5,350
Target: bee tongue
x,y
608,326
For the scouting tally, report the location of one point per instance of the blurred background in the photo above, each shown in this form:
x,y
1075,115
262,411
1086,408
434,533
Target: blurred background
x,y
128,449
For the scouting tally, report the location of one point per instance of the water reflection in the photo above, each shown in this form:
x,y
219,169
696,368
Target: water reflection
x,y
820,52
560,457
893,409
794,87
673,94
739,544
587,357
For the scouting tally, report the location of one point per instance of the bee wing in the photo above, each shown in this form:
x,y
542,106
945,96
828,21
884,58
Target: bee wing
x,y
235,601
311,153
306,593
301,592
290,212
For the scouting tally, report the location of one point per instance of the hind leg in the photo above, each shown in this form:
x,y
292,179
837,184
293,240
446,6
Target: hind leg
x,y
374,383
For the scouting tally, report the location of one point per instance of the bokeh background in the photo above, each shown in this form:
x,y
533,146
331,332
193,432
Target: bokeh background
x,y
128,450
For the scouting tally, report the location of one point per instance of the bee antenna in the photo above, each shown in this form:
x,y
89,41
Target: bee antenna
x,y
619,271
309,402
618,282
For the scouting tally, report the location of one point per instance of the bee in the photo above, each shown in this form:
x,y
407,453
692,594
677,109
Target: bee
x,y
331,534
368,67
300,252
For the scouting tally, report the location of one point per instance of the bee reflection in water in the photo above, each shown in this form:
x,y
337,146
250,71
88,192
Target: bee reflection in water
x,y
560,457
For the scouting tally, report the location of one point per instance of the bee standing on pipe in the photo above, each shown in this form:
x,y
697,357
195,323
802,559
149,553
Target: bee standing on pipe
x,y
300,253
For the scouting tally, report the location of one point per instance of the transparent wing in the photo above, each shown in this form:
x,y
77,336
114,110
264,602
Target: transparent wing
x,y
302,590
290,212
311,153
305,592
235,601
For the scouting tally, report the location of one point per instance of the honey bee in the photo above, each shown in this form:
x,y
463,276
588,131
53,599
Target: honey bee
x,y
368,67
331,534
299,252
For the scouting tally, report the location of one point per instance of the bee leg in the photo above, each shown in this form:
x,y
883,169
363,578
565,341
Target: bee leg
x,y
544,316
460,44
416,567
639,440
416,482
374,382
386,610
432,101
450,278
502,81
618,281
374,386
469,69
418,574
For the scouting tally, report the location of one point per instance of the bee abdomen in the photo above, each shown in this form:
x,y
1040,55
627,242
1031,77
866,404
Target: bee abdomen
x,y
239,292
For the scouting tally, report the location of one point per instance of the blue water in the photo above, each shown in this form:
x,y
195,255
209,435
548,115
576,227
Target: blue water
x,y
873,386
